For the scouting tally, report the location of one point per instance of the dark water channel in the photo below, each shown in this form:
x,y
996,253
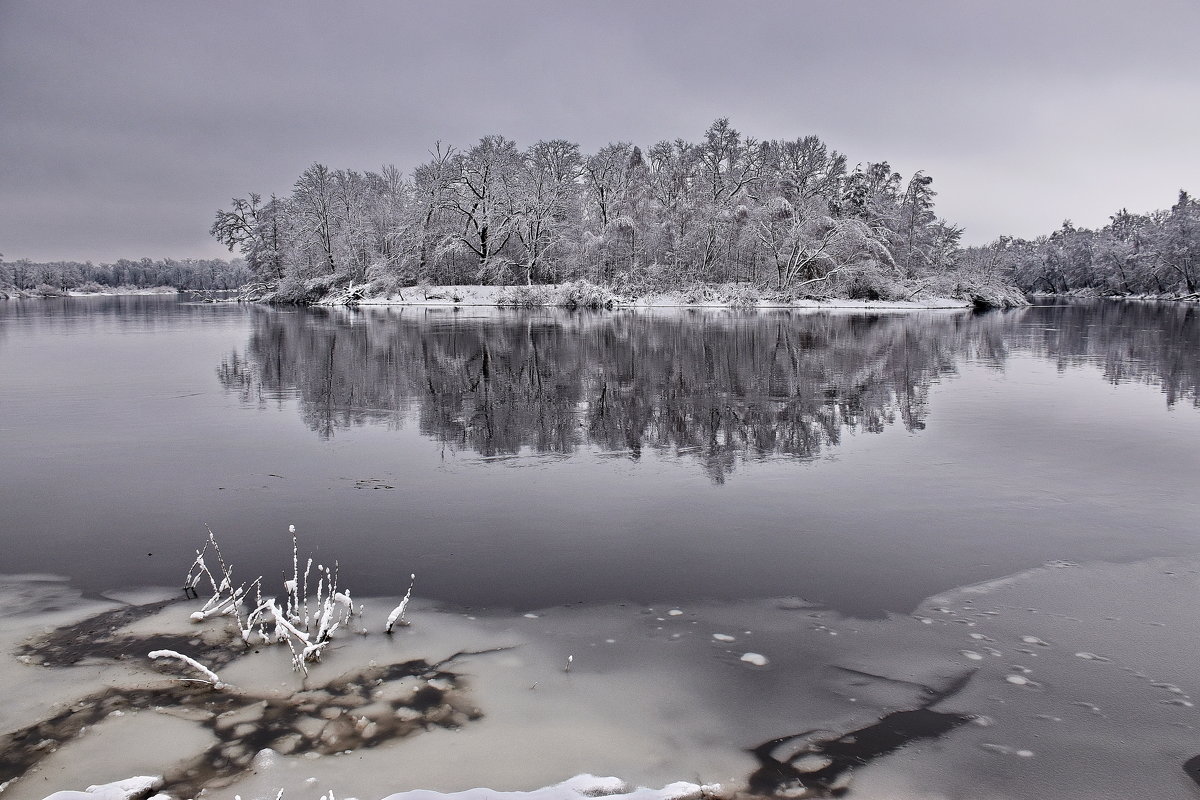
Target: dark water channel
x,y
528,459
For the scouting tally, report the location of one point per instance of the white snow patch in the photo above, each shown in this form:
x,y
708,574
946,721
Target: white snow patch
x,y
577,788
117,790
757,659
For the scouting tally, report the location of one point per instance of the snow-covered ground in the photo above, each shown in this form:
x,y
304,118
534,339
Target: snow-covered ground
x,y
125,291
1077,681
495,295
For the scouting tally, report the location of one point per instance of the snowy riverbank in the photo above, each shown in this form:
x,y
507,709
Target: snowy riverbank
x,y
583,295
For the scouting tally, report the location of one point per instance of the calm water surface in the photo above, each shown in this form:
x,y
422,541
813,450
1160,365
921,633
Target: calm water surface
x,y
528,459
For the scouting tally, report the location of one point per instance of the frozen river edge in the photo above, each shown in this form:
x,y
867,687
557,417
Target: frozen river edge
x,y
1074,680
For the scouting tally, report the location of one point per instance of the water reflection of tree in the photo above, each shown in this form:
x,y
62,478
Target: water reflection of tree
x,y
1156,343
717,387
721,388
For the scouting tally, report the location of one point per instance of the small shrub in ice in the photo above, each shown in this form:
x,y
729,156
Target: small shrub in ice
x,y
304,623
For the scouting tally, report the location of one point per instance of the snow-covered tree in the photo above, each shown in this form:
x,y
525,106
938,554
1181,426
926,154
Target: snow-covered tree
x,y
545,203
483,197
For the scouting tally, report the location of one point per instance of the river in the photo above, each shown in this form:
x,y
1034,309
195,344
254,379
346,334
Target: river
x,y
517,461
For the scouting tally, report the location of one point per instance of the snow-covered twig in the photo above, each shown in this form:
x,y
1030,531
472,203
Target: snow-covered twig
x,y
397,615
304,593
191,662
225,598
293,586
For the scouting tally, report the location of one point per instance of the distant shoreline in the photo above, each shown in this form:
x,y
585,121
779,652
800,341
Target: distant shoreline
x,y
116,291
1091,294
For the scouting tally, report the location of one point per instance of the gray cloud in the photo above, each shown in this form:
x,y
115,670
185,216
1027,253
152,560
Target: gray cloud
x,y
124,125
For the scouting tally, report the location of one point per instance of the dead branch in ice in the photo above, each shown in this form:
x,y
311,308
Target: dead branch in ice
x,y
397,615
211,677
305,623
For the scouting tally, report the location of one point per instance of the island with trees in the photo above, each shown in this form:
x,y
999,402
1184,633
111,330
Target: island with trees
x,y
728,217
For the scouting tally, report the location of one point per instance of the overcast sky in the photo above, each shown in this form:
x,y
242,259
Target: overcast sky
x,y
125,125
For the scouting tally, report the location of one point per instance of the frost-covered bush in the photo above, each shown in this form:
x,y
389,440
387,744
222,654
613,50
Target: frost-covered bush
x,y
584,294
696,292
993,295
981,289
383,286
644,279
573,294
303,290
383,281
743,296
523,296
738,295
869,283
254,291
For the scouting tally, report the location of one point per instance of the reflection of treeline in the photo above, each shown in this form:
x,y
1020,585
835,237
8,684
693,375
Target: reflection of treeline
x,y
722,388
143,313
63,276
1156,343
719,387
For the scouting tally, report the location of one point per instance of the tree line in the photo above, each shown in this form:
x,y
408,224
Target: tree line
x,y
1156,253
58,277
792,215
